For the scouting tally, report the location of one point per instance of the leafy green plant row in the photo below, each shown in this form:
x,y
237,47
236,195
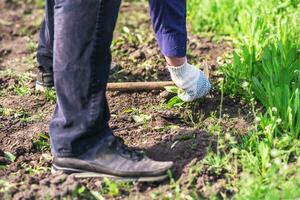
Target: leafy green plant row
x,y
264,67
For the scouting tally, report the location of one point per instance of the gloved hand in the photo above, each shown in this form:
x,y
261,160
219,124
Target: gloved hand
x,y
191,80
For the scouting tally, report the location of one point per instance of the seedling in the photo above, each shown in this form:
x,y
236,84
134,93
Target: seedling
x,y
5,112
175,101
114,189
50,95
2,92
141,118
22,114
36,170
40,4
138,116
32,46
42,144
82,192
9,158
22,87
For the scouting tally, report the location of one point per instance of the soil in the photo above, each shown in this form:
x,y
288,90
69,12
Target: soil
x,y
170,134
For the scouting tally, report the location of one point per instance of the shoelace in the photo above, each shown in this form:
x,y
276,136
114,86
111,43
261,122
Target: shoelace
x,y
127,152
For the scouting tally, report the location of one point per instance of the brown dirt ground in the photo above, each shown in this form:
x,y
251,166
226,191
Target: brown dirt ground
x,y
168,135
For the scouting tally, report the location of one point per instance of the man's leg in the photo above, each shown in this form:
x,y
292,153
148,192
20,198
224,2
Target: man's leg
x,y
45,49
46,37
169,23
81,65
81,139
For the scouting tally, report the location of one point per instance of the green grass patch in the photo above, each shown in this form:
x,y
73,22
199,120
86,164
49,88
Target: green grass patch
x,y
264,68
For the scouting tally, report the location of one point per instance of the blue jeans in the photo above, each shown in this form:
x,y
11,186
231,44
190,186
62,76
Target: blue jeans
x,y
74,43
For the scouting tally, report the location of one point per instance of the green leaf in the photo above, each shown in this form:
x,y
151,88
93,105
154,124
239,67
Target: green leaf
x,y
43,136
172,89
10,156
81,190
126,29
110,187
175,102
264,152
129,110
97,195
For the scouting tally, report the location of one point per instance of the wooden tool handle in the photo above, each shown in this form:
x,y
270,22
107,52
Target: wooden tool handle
x,y
138,86
145,86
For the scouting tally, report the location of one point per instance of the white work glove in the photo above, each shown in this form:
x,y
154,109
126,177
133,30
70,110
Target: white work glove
x,y
191,80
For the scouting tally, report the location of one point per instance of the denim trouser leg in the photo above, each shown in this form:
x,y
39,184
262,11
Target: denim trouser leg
x,y
169,22
83,33
82,38
168,18
46,37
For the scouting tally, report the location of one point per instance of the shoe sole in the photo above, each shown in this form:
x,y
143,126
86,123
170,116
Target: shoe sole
x,y
84,174
40,87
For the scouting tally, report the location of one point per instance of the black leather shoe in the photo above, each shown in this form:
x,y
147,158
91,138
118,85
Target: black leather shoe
x,y
112,159
45,79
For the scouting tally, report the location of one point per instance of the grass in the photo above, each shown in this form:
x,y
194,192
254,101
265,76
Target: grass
x,y
264,70
31,46
21,88
20,85
50,95
108,189
20,114
114,189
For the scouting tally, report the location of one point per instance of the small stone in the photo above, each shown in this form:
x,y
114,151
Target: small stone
x,y
123,132
59,179
137,55
33,180
73,187
124,117
20,151
34,187
24,187
33,163
98,184
45,182
12,82
53,193
13,190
